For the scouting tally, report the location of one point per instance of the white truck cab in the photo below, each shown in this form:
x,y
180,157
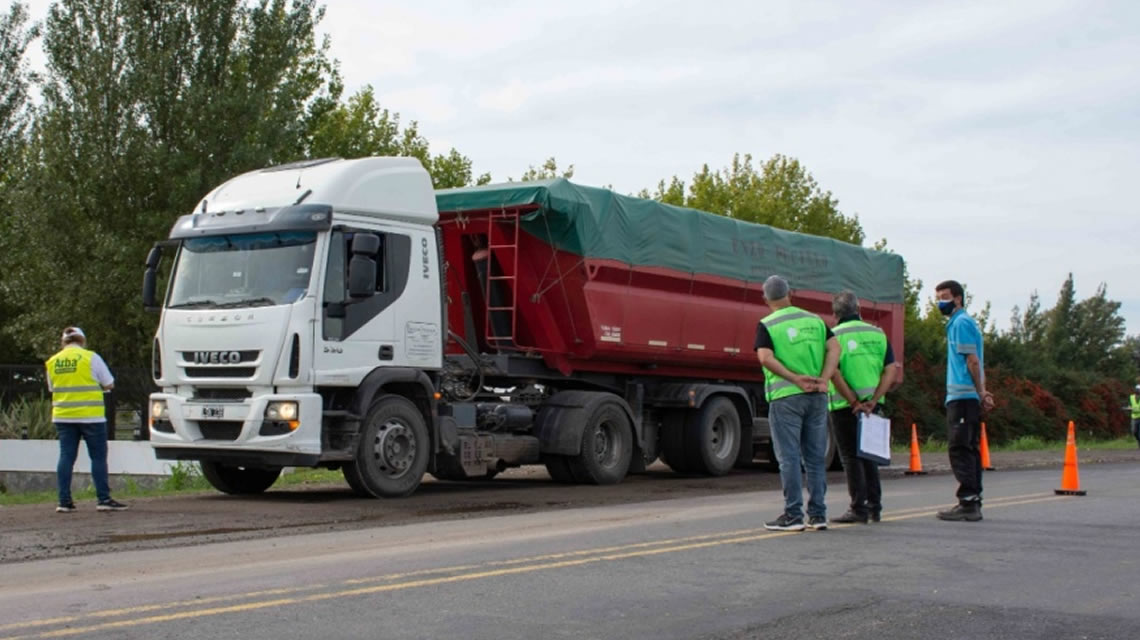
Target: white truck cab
x,y
317,274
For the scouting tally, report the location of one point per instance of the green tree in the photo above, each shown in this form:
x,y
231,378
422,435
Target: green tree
x,y
147,105
548,170
361,128
15,80
1060,334
1098,331
781,193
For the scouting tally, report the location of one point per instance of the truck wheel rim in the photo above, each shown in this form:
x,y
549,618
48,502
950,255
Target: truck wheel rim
x,y
721,438
394,448
606,444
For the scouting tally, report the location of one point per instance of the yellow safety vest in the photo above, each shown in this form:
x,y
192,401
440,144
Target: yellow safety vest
x,y
1134,401
75,393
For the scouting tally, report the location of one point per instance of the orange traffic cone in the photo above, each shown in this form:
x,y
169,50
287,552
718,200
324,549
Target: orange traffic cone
x,y
1070,479
915,457
985,447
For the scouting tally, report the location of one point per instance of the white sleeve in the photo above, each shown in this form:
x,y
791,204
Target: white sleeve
x,y
100,371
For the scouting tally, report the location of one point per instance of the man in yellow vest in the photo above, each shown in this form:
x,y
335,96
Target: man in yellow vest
x,y
866,372
799,355
77,379
1134,407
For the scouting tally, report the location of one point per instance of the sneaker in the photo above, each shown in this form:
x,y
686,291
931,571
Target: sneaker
x,y
65,508
785,523
961,513
817,523
851,517
111,505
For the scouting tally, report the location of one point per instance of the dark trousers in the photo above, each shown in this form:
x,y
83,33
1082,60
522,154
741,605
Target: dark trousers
x,y
964,424
1136,430
862,475
95,436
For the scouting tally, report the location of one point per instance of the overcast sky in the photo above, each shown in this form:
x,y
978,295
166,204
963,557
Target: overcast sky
x,y
991,142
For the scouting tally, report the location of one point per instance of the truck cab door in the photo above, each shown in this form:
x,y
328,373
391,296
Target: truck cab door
x,y
356,335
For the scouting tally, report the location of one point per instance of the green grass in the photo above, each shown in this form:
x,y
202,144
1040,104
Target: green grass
x,y
1027,443
185,479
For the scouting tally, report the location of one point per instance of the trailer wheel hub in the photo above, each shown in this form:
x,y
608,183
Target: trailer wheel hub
x,y
605,444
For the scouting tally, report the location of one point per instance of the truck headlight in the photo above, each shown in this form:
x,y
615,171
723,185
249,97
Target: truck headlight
x,y
284,411
159,410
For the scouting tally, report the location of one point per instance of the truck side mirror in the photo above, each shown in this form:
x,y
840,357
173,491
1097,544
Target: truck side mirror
x,y
150,279
362,266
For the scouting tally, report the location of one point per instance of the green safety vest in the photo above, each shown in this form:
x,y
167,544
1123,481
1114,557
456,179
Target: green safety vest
x,y
75,393
1134,400
862,348
799,340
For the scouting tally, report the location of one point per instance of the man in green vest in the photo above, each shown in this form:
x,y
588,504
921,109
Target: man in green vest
x,y
1134,407
866,372
77,379
799,355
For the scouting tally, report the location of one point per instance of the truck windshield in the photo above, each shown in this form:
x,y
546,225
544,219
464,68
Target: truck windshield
x,y
247,270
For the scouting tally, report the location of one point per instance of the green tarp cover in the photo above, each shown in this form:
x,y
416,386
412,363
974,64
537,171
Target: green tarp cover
x,y
598,223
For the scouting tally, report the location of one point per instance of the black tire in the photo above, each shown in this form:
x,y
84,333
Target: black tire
x,y
354,482
713,436
394,449
559,468
607,445
831,459
673,449
771,464
747,451
236,480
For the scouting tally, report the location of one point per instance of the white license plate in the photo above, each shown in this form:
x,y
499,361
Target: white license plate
x,y
205,412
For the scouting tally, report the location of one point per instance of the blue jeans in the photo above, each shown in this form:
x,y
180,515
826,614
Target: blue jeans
x,y
95,435
799,433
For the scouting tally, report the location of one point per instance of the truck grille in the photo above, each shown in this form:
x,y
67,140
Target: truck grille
x,y
220,429
227,394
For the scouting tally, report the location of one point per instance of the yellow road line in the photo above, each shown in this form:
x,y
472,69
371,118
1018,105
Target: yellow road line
x,y
601,554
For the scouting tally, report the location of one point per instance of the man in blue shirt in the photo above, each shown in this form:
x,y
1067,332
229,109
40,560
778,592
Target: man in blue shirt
x,y
966,397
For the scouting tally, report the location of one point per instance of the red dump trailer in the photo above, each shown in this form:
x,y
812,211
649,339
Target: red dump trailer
x,y
553,286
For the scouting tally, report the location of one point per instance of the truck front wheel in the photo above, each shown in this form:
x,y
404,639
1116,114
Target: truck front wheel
x,y
394,447
237,480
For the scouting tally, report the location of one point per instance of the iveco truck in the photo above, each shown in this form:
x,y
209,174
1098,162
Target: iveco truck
x,y
343,314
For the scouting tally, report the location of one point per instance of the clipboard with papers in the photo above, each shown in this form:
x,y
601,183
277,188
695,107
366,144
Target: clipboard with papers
x,y
874,439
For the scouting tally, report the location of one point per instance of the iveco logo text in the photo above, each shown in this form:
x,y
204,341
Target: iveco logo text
x,y
217,357
427,263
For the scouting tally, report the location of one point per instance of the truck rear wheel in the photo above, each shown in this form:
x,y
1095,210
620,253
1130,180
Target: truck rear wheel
x,y
713,434
607,445
236,480
674,451
392,456
559,468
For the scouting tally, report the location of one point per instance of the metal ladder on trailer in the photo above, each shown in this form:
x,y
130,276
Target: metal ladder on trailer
x,y
502,278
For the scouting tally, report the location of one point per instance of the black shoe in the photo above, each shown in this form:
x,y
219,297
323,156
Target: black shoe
x,y
111,505
817,523
785,523
876,516
851,517
960,512
67,507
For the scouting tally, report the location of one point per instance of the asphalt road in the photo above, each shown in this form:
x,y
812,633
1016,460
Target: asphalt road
x,y
1038,566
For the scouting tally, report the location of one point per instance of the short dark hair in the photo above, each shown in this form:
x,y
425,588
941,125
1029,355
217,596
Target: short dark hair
x,y
955,288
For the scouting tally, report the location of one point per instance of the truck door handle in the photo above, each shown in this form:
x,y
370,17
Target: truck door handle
x,y
387,352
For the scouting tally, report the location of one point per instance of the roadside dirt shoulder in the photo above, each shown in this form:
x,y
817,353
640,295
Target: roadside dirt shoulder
x,y
29,532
